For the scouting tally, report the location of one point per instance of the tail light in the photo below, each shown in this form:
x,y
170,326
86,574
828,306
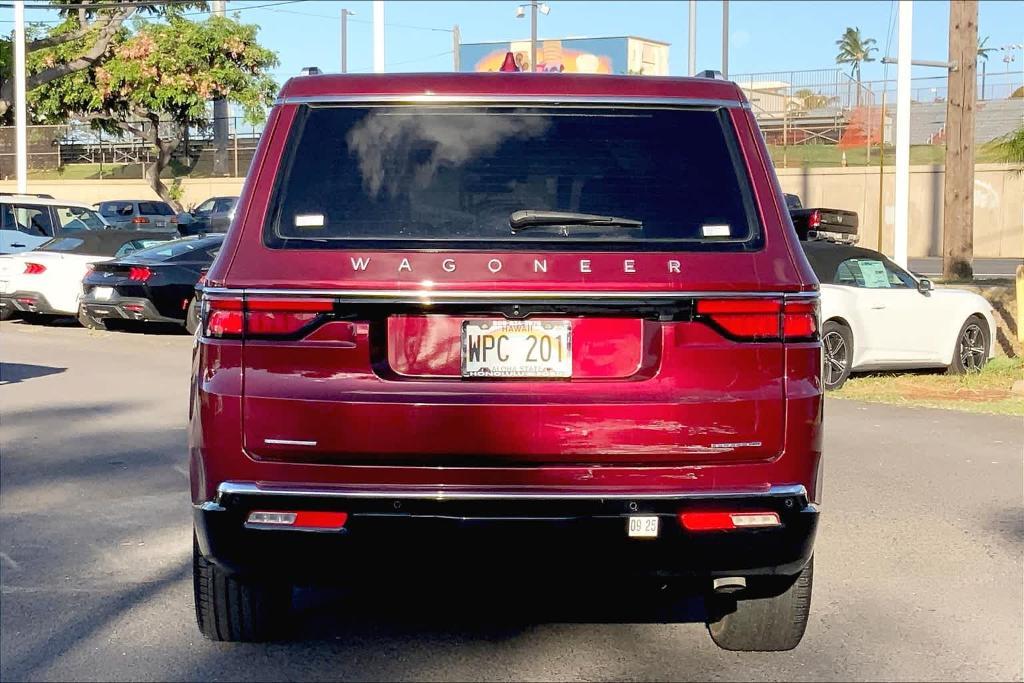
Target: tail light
x,y
173,220
761,319
725,521
34,268
139,273
139,220
262,318
814,221
300,519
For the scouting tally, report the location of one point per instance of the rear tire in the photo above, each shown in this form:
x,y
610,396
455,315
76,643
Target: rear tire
x,y
192,316
236,609
837,347
90,322
7,313
770,622
971,351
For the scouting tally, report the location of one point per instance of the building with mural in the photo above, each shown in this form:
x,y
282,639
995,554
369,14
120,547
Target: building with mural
x,y
612,55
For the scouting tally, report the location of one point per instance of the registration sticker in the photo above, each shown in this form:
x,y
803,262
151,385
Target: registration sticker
x,y
643,526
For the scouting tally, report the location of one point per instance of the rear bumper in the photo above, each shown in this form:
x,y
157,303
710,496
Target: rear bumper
x,y
29,302
555,530
125,308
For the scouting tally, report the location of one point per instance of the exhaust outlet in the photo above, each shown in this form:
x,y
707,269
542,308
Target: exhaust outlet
x,y
729,584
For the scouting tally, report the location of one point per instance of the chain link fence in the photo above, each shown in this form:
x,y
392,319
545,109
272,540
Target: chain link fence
x,y
76,151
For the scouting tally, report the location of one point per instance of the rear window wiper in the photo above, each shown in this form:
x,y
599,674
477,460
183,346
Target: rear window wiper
x,y
525,219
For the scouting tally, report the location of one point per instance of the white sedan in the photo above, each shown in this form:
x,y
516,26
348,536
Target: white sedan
x,y
48,280
877,316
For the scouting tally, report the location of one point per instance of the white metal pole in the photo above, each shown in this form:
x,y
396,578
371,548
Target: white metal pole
x,y
20,110
378,36
692,64
725,38
901,213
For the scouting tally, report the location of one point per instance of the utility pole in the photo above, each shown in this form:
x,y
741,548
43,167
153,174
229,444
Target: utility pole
x,y
725,39
378,36
456,42
691,69
902,198
20,110
344,39
533,36
958,195
220,113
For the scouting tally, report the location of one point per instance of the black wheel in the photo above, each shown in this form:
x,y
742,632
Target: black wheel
x,y
971,352
90,322
233,608
771,620
6,313
837,347
192,316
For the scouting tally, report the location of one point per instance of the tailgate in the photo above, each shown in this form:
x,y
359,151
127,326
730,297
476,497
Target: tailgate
x,y
650,383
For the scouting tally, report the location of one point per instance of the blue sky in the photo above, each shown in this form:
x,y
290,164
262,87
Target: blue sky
x,y
765,36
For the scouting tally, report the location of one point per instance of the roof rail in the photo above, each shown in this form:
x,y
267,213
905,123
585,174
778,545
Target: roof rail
x,y
310,71
26,194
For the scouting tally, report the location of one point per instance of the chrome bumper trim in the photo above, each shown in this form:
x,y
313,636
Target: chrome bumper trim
x,y
505,295
236,488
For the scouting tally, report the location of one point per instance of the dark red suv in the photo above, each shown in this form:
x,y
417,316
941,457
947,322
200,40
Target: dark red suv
x,y
531,320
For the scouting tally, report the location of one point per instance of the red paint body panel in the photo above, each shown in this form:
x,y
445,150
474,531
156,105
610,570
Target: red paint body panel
x,y
654,405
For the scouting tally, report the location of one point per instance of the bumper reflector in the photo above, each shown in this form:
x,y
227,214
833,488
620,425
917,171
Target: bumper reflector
x,y
722,521
309,519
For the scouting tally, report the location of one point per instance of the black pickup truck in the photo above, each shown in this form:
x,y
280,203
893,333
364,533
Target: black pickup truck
x,y
835,225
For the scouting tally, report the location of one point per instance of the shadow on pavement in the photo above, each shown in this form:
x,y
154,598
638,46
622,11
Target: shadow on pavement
x,y
12,373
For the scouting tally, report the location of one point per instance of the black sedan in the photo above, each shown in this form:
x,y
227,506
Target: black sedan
x,y
156,284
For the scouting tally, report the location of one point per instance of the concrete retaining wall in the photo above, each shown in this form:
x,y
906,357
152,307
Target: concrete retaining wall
x,y
998,205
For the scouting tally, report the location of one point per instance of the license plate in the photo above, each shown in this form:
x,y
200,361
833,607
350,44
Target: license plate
x,y
643,527
516,348
103,293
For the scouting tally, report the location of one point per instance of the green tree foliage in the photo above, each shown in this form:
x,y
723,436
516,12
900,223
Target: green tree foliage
x,y
855,50
1011,147
157,80
82,40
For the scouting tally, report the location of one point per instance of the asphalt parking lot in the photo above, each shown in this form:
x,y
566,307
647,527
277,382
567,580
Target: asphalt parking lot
x,y
919,567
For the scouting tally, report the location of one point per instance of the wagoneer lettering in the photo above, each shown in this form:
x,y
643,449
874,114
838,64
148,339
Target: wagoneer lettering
x,y
564,317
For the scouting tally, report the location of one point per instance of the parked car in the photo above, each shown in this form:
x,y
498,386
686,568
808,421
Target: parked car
x,y
213,215
29,220
154,285
840,225
139,214
563,316
877,316
48,280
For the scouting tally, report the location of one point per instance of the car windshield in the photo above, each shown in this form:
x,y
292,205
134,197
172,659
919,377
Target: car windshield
x,y
453,176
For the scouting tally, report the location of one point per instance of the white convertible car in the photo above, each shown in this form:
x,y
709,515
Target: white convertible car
x,y
877,316
48,280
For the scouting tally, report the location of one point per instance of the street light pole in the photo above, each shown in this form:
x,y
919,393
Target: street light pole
x,y
902,198
725,38
20,110
533,35
692,64
344,39
220,113
378,36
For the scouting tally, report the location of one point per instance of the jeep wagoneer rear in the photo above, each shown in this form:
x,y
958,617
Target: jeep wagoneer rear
x,y
455,309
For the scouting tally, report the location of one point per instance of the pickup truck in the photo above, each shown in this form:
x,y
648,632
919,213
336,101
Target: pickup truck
x,y
837,225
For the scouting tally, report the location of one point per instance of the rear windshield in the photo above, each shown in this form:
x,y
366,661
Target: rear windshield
x,y
155,209
451,177
116,208
177,248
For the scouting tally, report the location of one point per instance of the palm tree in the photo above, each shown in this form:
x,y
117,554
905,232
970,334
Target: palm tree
x,y
983,57
855,50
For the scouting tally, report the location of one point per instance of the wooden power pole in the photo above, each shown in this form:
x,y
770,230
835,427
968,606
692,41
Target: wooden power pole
x,y
958,196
